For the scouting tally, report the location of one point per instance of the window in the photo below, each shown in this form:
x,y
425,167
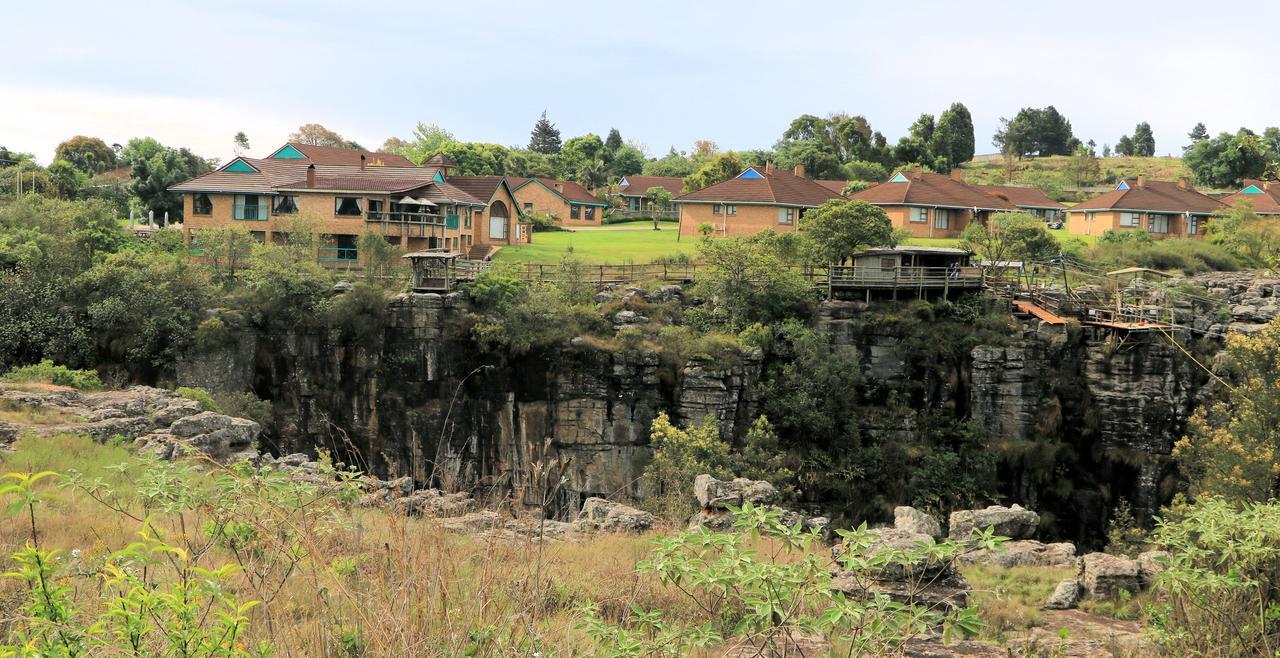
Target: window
x,y
1193,224
786,215
247,207
1158,223
1130,220
284,204
575,212
201,204
919,215
528,206
941,219
347,206
466,218
591,213
375,208
717,209
887,264
730,210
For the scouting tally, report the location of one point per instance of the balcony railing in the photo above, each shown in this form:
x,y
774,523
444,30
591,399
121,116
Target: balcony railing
x,y
409,224
339,254
256,212
406,217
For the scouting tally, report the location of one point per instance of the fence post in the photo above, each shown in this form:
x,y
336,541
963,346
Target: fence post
x,y
896,271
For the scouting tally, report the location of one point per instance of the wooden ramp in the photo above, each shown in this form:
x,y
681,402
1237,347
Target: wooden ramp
x,y
1042,313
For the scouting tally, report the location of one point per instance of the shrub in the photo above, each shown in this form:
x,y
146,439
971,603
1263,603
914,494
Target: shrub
x,y
46,372
199,395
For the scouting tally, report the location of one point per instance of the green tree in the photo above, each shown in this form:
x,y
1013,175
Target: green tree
x,y
1083,168
614,141
1124,146
67,179
380,257
1035,131
869,172
88,154
1226,160
1198,134
155,168
225,250
545,137
719,168
914,147
1232,448
473,158
746,280
241,142
579,152
952,143
659,199
674,164
838,229
428,140
530,164
1144,142
1010,236
1240,229
626,160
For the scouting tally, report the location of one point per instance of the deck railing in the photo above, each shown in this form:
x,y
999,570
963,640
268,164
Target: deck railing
x,y
903,277
251,212
409,224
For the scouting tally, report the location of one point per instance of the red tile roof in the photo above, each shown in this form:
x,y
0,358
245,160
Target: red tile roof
x,y
440,160
1159,196
1267,203
480,187
780,188
280,173
1023,197
836,186
569,190
638,185
927,189
332,155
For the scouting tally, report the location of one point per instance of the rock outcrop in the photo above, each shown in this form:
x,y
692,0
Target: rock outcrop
x,y
910,519
1024,553
606,515
715,496
1102,575
1013,522
1066,595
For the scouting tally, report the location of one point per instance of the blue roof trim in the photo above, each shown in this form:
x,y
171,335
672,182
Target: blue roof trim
x,y
287,152
240,166
750,173
438,178
1122,186
898,178
1252,189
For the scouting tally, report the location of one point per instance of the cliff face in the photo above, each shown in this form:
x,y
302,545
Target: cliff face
x,y
427,403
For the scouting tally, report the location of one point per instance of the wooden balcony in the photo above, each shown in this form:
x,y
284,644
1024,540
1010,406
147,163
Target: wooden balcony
x,y
408,224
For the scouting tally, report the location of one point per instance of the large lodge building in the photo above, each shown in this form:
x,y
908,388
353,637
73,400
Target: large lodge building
x,y
352,192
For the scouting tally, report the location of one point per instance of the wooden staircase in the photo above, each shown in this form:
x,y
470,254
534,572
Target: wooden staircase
x,y
1030,308
482,251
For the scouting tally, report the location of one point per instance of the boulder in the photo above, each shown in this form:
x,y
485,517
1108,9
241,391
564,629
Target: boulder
x,y
1065,596
435,503
1102,575
1014,522
629,317
1024,553
716,494
169,410
602,514
913,520
473,522
293,460
946,590
1150,564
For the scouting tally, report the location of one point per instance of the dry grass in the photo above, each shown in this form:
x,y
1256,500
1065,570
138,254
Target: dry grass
x,y
12,412
1009,600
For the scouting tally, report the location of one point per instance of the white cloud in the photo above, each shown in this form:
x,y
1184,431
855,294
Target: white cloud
x,y
36,119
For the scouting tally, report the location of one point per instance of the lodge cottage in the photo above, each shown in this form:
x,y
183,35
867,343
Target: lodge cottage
x,y
352,192
932,205
1264,196
566,202
632,190
1162,208
756,199
1031,200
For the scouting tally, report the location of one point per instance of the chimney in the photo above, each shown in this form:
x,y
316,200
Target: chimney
x,y
1142,181
311,176
768,166
1182,183
956,175
361,162
560,187
1266,185
919,170
799,170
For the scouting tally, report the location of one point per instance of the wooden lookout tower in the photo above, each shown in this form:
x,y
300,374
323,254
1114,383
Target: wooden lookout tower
x,y
433,271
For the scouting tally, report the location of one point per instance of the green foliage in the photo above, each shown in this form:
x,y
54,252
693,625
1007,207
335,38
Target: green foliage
x,y
1035,131
1007,236
672,164
840,228
746,280
428,140
1226,160
1245,233
359,315
803,368
381,258
766,597
87,154
719,168
46,372
224,250
238,405
155,168
284,285
519,316
545,138
199,395
866,172
1117,249
952,142
679,456
1124,535
1220,587
1231,448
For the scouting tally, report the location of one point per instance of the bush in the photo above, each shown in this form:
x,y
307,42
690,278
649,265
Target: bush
x,y
46,372
1186,255
199,395
238,405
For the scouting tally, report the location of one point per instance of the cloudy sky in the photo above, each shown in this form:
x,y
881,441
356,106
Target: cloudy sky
x,y
664,73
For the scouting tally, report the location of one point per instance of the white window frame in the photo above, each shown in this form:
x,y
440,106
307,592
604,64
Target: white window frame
x,y
1155,220
730,209
1130,220
786,215
942,219
919,215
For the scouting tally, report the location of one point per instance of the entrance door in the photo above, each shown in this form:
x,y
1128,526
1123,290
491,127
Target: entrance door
x,y
498,222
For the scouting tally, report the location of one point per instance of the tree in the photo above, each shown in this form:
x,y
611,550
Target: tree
x,y
1010,236
614,141
627,160
582,151
67,179
1035,131
1240,229
915,146
704,149
88,154
528,164
674,164
1232,448
592,175
315,134
241,143
719,168
470,158
394,145
1144,142
155,168
952,141
1198,134
870,172
428,140
818,160
1226,160
1106,150
839,229
745,280
545,137
659,199
1124,146
1083,167
224,249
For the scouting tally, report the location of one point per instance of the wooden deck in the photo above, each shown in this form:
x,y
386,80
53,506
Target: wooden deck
x,y
1029,308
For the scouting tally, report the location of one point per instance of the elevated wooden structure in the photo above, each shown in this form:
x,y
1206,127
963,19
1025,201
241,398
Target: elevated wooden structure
x,y
433,271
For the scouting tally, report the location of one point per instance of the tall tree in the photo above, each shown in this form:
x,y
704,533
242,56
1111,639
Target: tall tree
x,y
841,228
155,167
1035,131
315,134
1124,145
1198,133
952,141
719,168
674,163
88,154
581,152
1144,142
241,142
1226,160
545,137
914,147
614,141
428,140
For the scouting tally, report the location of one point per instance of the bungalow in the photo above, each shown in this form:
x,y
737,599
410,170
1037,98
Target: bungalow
x,y
1162,208
1263,195
567,202
933,205
758,198
632,190
1030,199
350,193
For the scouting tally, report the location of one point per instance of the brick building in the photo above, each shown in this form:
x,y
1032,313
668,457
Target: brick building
x,y
756,199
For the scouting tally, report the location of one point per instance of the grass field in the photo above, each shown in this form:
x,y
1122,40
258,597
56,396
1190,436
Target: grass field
x,y
992,171
617,244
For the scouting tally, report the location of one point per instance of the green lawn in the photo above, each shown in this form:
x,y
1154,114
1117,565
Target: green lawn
x,y
601,247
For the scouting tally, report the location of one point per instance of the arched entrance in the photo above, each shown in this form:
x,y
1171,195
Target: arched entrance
x,y
498,222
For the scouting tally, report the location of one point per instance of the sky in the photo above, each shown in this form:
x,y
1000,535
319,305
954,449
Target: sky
x,y
663,73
